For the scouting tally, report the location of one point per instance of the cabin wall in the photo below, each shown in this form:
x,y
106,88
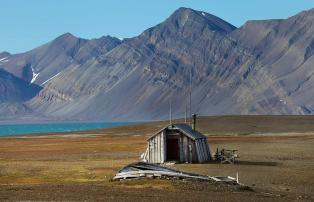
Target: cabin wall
x,y
193,152
156,148
187,150
190,151
202,149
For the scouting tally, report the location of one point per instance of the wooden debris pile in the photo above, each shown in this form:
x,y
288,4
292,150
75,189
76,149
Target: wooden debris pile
x,y
226,156
146,170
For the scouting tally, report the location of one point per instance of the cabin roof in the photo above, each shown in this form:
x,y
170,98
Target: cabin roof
x,y
183,128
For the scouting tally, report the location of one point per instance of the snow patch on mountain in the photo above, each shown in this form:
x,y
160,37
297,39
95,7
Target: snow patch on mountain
x,y
35,75
50,78
4,59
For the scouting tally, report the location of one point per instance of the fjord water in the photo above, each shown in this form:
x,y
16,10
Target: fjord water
x,y
17,129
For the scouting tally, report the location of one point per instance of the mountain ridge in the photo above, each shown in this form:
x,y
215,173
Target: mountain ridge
x,y
234,70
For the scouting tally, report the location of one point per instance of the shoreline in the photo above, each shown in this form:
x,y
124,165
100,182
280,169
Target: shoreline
x,y
57,130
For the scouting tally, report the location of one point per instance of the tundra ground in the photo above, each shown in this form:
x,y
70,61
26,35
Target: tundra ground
x,y
276,161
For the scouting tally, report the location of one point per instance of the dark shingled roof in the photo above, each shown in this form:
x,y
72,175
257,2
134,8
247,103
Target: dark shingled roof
x,y
185,129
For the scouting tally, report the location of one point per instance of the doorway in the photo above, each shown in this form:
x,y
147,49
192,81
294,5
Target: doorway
x,y
173,150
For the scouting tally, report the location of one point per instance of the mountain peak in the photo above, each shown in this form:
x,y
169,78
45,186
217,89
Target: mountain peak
x,y
66,37
307,12
4,54
304,16
108,37
184,16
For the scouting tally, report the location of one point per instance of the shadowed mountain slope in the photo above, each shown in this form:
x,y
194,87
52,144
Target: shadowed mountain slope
x,y
13,89
13,92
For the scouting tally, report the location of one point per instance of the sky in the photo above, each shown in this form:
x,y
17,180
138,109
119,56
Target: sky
x,y
26,24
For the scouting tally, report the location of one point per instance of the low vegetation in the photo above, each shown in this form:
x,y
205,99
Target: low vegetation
x,y
277,165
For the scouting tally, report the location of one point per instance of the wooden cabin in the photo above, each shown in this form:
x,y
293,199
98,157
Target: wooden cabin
x,y
177,143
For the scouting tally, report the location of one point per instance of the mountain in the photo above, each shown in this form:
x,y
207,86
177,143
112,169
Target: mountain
x,y
39,65
285,48
138,77
263,67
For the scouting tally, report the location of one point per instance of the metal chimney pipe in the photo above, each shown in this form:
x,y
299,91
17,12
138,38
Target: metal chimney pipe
x,y
194,122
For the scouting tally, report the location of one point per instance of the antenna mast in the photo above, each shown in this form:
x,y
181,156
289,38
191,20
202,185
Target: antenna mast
x,y
170,112
186,113
190,97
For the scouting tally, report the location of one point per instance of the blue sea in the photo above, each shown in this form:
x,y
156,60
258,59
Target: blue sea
x,y
17,129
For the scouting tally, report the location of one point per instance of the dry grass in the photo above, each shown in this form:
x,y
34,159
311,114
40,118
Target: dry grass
x,y
32,161
274,162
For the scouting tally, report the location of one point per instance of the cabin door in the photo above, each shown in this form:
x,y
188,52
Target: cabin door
x,y
173,150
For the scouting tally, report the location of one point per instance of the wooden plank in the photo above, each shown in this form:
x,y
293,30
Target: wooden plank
x,y
160,152
200,146
198,150
181,148
185,149
205,150
161,148
158,148
189,156
195,156
165,145
150,150
153,149
192,152
201,157
144,173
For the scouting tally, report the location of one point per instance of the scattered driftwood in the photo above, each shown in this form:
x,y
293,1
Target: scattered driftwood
x,y
147,170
